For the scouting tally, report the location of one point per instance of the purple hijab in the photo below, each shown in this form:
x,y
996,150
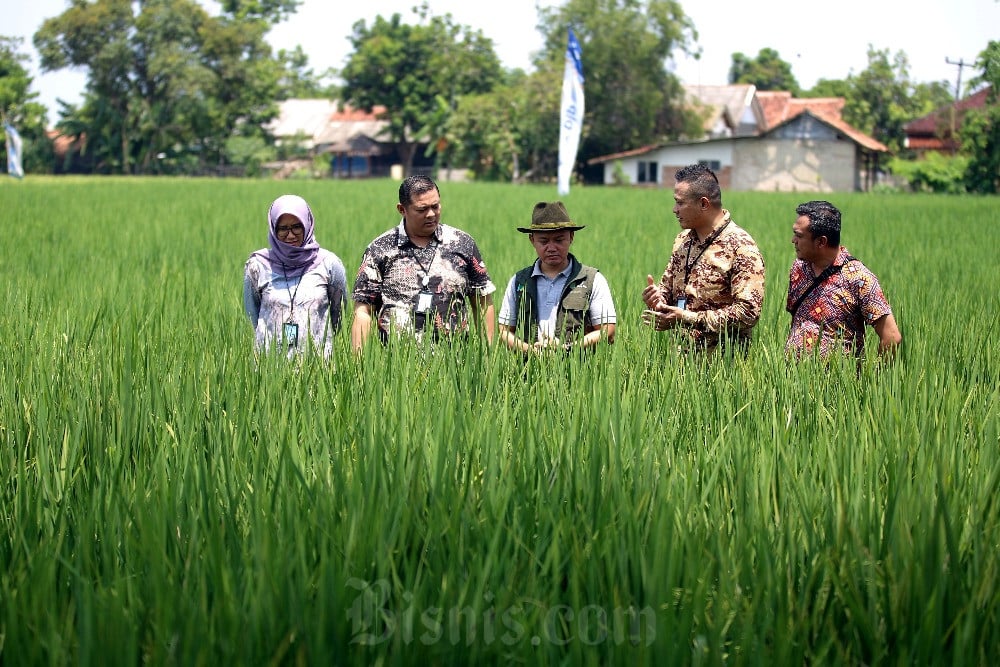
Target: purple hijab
x,y
293,260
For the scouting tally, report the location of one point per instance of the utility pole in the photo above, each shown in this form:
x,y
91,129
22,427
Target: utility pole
x,y
960,63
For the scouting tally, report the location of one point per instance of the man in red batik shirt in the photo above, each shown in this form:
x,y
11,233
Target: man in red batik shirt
x,y
832,295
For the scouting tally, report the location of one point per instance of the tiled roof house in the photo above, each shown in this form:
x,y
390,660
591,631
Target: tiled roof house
x,y
936,131
760,140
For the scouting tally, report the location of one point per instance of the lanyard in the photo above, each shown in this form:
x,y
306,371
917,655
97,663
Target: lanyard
x,y
688,264
425,269
291,294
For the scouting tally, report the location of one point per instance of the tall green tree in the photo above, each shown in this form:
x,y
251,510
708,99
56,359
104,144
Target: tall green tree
x,y
169,76
247,81
828,88
18,106
417,72
980,131
272,11
299,81
95,36
631,97
883,98
166,82
767,71
509,133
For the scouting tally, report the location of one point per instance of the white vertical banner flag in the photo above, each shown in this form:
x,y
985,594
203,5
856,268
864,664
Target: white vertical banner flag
x,y
13,151
570,113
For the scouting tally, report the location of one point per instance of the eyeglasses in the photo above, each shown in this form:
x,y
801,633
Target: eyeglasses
x,y
297,229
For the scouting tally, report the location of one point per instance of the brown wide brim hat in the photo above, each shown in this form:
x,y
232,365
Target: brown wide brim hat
x,y
550,217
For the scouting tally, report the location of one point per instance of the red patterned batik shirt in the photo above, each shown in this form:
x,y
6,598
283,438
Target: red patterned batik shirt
x,y
833,316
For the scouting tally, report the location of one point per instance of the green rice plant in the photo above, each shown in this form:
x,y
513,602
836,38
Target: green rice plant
x,y
167,497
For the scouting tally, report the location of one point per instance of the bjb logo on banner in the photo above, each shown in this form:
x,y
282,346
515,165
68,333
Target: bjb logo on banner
x,y
571,113
13,151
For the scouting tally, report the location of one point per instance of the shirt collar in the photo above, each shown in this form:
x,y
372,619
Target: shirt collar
x,y
537,270
402,238
725,220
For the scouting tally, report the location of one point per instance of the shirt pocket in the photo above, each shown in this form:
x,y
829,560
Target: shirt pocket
x,y
577,300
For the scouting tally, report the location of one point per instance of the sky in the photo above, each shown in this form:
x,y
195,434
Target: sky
x,y
827,40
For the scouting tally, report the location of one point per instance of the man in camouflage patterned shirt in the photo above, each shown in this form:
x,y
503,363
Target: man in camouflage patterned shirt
x,y
713,286
416,278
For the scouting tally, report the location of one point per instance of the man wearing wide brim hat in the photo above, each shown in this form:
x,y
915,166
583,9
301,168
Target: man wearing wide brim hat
x,y
550,217
557,302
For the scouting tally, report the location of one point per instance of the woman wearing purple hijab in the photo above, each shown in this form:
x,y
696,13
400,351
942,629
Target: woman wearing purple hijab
x,y
294,290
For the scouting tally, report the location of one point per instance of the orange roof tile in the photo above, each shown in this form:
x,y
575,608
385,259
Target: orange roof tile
x,y
779,106
836,123
349,113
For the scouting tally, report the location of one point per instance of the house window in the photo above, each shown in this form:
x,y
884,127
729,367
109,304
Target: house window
x,y
647,172
349,166
714,165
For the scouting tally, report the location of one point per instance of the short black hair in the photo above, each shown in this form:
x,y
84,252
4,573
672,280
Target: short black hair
x,y
702,182
414,185
824,219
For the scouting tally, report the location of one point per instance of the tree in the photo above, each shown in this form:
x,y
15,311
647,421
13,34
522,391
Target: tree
x,y
166,82
19,108
828,88
272,11
767,72
245,93
415,71
631,98
509,133
298,80
934,173
95,36
980,131
536,114
482,134
882,98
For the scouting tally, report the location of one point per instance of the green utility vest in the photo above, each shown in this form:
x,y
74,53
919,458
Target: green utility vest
x,y
571,315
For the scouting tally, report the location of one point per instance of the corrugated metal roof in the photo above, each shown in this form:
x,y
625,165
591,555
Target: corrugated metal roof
x,y
719,100
352,137
301,117
331,128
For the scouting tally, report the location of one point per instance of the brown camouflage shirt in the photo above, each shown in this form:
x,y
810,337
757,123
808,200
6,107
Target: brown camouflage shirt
x,y
722,281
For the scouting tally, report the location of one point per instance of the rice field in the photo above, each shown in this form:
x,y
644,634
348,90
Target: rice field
x,y
168,499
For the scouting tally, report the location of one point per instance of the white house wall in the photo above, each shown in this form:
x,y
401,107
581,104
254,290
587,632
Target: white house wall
x,y
803,165
803,157
670,159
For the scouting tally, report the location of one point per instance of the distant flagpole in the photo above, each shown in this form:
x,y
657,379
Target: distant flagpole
x,y
570,113
13,151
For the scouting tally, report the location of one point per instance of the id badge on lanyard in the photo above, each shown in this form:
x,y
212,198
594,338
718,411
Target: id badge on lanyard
x,y
424,297
291,333
424,300
290,330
